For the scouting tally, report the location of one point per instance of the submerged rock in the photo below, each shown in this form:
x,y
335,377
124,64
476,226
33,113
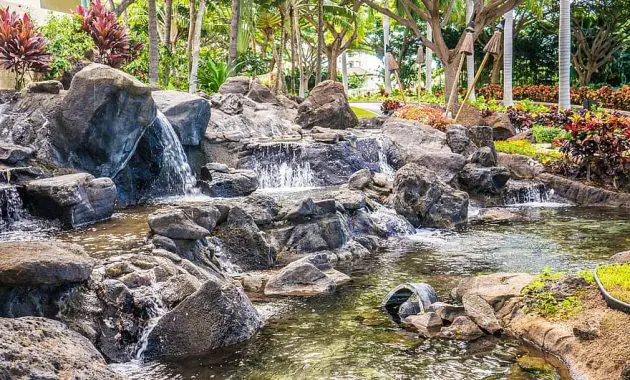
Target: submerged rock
x,y
421,197
300,278
218,315
75,199
427,325
39,348
327,106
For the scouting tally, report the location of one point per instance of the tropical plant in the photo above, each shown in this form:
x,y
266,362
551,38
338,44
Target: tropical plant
x,y
22,47
109,36
65,44
212,75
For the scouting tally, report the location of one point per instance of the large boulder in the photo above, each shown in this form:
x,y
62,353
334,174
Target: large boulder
x,y
502,128
189,114
175,224
481,313
37,263
421,197
40,348
327,106
219,314
102,117
227,184
483,180
300,278
495,288
75,199
520,166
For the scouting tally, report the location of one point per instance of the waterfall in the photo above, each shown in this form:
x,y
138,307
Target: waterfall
x,y
382,161
526,192
11,208
282,167
175,176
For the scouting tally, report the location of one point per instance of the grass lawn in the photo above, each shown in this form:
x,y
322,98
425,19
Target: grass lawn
x,y
616,280
363,114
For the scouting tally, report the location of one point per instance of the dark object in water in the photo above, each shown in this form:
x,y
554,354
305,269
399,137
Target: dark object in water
x,y
393,302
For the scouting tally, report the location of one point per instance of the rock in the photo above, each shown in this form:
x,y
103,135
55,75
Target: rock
x,y
219,314
235,85
327,233
261,94
33,263
481,136
481,313
585,195
525,135
188,114
299,278
462,328
101,119
625,372
538,367
621,257
360,179
327,106
338,277
496,214
254,283
470,116
286,102
427,325
213,167
520,167
502,128
446,312
426,201
229,104
75,199
40,348
175,224
372,123
485,157
408,308
567,286
587,331
177,288
495,288
458,140
46,87
235,183
483,180
11,154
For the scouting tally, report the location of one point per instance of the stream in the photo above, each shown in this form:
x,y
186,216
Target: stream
x,y
346,336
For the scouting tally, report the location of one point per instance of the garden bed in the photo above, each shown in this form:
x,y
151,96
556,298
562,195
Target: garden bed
x,y
613,282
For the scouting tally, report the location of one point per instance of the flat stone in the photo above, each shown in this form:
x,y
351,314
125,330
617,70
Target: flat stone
x,y
175,224
481,313
494,288
462,328
446,312
299,279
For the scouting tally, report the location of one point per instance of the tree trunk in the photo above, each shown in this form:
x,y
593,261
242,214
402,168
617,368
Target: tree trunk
x,y
428,63
451,79
191,31
234,22
168,17
333,55
320,40
507,59
293,50
153,44
564,50
298,42
388,76
192,86
470,60
496,69
279,76
344,71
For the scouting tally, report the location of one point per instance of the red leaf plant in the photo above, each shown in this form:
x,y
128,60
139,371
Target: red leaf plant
x,y
22,47
109,36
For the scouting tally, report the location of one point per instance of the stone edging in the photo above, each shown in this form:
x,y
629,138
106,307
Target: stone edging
x,y
585,195
610,300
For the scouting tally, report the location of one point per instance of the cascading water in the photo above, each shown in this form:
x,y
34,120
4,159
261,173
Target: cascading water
x,y
281,167
382,161
525,192
11,208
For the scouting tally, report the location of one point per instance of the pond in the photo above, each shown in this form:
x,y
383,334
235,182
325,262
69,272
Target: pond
x,y
346,336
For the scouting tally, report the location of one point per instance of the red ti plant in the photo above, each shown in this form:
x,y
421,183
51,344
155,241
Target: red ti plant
x,y
22,47
109,36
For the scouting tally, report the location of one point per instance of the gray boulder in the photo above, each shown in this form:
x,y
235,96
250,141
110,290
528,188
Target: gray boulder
x,y
481,313
75,199
234,183
502,128
12,154
458,139
46,87
175,224
421,197
520,166
483,180
37,263
427,325
189,114
327,106
235,85
40,348
462,328
299,278
219,314
260,93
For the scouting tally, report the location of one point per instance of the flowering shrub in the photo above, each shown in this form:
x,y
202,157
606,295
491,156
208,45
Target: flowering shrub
x,y
616,99
109,36
433,116
599,145
22,47
389,106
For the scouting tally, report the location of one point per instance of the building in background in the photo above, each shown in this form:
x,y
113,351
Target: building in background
x,y
367,66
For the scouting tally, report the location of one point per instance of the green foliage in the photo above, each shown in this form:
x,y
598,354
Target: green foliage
x,y
616,280
66,44
212,75
546,135
491,105
543,302
588,275
356,81
526,148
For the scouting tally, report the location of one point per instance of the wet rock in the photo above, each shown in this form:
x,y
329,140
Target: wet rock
x,y
520,167
323,234
299,278
360,179
34,263
46,87
175,224
421,197
188,114
481,313
338,277
208,168
408,308
327,106
235,183
39,348
495,288
11,154
502,128
483,180
447,312
254,283
484,157
621,257
462,328
585,195
497,215
427,325
536,366
75,199
219,314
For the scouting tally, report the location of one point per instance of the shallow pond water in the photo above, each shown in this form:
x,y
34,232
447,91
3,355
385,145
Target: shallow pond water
x,y
346,336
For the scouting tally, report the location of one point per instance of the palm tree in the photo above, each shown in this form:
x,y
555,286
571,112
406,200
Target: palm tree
x,y
168,18
192,86
320,40
234,23
507,59
388,78
153,43
191,31
564,50
428,63
470,60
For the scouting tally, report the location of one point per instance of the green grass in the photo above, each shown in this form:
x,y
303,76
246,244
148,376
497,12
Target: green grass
x,y
616,280
363,114
525,148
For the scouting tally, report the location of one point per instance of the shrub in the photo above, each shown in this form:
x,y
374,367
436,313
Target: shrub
x,y
65,44
390,105
547,135
526,148
433,116
109,36
212,75
22,47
